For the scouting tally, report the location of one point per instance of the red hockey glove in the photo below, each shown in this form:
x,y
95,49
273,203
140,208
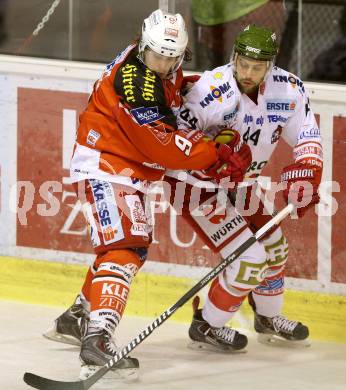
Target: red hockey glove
x,y
302,185
222,168
242,155
231,164
188,82
242,158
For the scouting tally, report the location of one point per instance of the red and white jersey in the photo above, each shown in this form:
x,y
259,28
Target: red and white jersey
x,y
282,110
128,132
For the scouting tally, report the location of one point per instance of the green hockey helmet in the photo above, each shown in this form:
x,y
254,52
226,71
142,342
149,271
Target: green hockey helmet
x,y
256,42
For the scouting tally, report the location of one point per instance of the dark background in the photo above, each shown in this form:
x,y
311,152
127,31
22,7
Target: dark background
x,y
101,28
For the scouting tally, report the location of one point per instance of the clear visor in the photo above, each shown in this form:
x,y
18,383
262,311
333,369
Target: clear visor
x,y
158,63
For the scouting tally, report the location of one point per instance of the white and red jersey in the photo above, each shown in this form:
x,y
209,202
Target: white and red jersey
x,y
282,110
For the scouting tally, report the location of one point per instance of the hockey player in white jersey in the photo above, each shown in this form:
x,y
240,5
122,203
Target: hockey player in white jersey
x,y
263,103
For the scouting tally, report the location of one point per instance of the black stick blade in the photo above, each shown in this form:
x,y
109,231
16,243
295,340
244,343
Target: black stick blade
x,y
39,382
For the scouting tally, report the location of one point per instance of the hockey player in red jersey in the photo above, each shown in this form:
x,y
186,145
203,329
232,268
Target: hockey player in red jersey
x,y
128,137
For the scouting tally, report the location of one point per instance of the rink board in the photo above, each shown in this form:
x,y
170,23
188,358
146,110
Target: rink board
x,y
40,101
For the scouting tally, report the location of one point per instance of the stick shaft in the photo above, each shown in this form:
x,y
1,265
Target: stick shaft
x,y
197,287
48,384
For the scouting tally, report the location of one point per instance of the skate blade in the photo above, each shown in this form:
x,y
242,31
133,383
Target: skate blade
x,y
120,374
276,341
199,346
53,335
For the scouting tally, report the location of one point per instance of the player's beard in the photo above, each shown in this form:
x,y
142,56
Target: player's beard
x,y
247,88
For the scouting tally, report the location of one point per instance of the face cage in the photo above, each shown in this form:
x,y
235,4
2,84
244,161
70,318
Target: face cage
x,y
234,56
140,56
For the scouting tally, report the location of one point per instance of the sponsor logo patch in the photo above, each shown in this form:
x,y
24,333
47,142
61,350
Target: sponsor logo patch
x,y
148,91
294,81
145,115
171,32
218,76
129,74
271,287
248,119
297,174
93,137
219,221
282,105
310,133
160,134
260,121
231,115
308,150
107,211
276,135
252,49
115,268
277,118
138,217
214,215
215,94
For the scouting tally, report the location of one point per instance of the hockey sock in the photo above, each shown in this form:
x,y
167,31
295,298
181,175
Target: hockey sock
x,y
110,287
268,296
221,305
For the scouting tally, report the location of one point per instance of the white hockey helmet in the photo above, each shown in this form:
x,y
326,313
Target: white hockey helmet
x,y
165,34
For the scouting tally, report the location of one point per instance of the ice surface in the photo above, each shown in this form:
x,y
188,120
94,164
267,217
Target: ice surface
x,y
166,362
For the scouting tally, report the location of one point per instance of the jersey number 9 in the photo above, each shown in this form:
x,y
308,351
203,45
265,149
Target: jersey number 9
x,y
183,144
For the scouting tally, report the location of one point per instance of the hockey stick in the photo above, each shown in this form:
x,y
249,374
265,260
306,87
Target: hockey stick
x,y
42,383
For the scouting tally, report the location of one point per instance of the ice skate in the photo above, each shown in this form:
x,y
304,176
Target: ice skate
x,y
206,337
281,331
70,326
97,349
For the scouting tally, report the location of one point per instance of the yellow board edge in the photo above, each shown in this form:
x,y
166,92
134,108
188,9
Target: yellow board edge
x,y
56,284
